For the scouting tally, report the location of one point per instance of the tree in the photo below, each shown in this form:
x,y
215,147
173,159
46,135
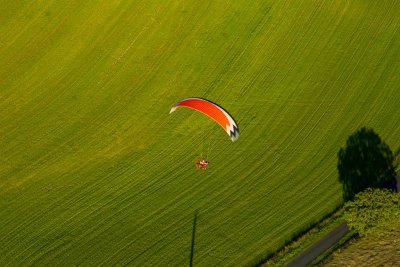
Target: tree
x,y
366,161
373,210
396,162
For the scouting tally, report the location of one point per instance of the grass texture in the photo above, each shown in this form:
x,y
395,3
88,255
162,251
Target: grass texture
x,y
95,171
373,250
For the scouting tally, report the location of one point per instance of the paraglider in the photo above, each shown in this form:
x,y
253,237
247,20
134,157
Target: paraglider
x,y
215,112
201,164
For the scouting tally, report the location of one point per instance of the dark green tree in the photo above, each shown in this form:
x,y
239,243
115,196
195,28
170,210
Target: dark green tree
x,y
373,211
365,161
396,163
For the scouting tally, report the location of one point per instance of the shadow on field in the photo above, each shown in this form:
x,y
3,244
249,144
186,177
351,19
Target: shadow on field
x,y
366,161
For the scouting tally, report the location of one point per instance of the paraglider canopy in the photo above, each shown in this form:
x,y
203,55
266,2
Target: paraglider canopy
x,y
214,111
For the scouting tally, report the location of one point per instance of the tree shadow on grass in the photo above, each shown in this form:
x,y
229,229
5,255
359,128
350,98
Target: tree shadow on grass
x,y
365,161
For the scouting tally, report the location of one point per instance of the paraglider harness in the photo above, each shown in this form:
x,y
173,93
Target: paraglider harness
x,y
201,164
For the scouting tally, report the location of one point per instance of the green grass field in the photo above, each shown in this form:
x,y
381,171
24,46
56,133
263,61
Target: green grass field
x,y
95,171
373,250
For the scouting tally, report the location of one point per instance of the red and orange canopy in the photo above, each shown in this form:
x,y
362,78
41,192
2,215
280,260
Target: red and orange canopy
x,y
212,110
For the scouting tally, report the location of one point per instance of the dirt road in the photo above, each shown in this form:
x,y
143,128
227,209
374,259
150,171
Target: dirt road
x,y
318,248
